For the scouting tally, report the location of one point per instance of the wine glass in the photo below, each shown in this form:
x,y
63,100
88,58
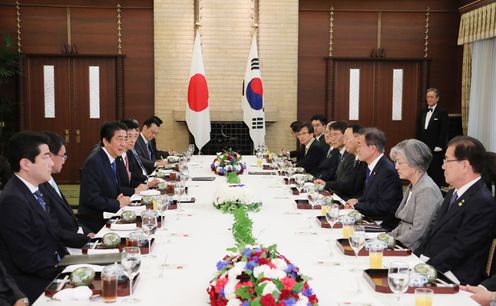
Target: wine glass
x,y
179,191
398,278
184,176
357,240
300,182
149,225
332,215
163,204
131,262
312,194
290,171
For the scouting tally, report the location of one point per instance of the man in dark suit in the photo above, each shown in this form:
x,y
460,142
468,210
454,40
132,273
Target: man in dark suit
x,y
334,136
350,174
459,237
319,124
10,294
29,246
70,232
432,129
383,191
300,151
146,147
314,151
99,182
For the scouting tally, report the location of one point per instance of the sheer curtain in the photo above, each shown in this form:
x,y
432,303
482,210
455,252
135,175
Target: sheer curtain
x,y
482,106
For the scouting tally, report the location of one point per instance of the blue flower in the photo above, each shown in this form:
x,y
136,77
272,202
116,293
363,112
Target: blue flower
x,y
255,259
245,303
308,292
250,265
246,252
221,293
290,302
221,264
290,268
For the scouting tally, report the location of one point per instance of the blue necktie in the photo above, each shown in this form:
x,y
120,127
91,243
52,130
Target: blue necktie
x,y
39,197
149,149
114,169
453,199
367,175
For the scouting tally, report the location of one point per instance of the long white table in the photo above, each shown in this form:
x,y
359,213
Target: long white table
x,y
197,238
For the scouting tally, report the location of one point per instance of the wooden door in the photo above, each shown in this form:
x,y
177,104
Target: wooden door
x,y
374,82
70,115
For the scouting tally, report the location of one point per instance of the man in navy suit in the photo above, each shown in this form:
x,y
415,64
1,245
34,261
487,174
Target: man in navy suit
x,y
29,246
314,151
334,136
319,124
70,232
146,147
459,237
383,193
432,129
99,181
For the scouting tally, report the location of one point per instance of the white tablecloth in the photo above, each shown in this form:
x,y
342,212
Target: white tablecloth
x,y
197,238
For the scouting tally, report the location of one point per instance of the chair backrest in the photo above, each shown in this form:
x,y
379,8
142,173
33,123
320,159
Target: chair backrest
x,y
491,260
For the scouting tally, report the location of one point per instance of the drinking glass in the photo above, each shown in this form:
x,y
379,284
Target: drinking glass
x,y
357,240
149,226
398,278
332,215
423,297
259,155
290,171
312,194
132,239
300,182
163,204
109,283
131,262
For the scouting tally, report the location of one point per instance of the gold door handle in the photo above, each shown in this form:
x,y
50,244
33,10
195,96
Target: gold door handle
x,y
78,136
66,136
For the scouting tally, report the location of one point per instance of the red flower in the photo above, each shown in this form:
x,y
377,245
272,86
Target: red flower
x,y
288,283
285,294
221,282
267,300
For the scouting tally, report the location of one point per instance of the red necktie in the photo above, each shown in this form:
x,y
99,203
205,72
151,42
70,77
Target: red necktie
x,y
127,167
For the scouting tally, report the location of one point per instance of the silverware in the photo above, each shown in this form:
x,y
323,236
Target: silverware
x,y
164,264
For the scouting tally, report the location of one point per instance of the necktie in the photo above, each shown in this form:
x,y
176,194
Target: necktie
x,y
367,175
149,148
329,153
114,170
55,186
39,197
453,199
126,160
145,173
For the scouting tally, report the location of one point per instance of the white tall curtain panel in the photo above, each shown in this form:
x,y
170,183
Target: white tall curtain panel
x,y
482,106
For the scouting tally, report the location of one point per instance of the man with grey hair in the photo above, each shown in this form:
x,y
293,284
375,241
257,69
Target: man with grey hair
x,y
422,197
382,192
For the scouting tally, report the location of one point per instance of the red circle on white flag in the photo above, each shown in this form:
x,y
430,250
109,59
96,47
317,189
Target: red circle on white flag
x,y
197,93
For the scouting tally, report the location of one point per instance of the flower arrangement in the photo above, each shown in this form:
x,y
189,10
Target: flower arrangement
x,y
231,196
259,275
227,162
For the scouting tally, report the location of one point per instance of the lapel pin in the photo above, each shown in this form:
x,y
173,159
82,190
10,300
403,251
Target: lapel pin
x,y
460,204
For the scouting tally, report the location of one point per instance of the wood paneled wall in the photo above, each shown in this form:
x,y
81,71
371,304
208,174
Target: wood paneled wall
x,y
362,25
90,27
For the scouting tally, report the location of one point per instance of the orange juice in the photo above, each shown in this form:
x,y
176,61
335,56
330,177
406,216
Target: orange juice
x,y
375,260
324,210
423,300
259,163
347,231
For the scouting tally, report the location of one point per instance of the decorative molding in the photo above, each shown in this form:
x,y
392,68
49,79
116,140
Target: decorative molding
x,y
18,13
426,32
379,30
331,30
119,29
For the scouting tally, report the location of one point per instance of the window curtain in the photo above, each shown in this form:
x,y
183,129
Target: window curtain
x,y
482,105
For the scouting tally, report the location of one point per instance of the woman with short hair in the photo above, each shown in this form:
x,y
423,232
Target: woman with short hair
x,y
422,198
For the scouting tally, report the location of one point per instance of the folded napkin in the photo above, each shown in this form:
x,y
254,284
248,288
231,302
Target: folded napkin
x,y
123,226
72,294
136,209
150,192
102,251
71,268
135,197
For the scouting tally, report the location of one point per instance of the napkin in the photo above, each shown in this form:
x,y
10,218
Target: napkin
x,y
150,192
135,198
123,226
71,268
72,294
136,209
102,251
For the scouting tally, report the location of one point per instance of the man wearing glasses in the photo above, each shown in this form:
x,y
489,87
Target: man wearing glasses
x,y
459,238
314,151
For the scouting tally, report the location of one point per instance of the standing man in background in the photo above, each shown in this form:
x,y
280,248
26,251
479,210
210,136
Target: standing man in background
x,y
432,129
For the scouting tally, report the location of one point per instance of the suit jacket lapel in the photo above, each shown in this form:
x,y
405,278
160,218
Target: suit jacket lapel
x,y
374,172
108,170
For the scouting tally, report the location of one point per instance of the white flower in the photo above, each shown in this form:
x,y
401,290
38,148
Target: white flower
x,y
229,193
229,289
303,301
233,302
269,288
269,272
280,263
237,269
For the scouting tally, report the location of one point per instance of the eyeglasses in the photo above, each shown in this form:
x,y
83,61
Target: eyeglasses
x,y
445,161
302,133
64,157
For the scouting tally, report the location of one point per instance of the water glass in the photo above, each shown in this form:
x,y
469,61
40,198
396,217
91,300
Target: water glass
x,y
131,262
398,278
149,225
